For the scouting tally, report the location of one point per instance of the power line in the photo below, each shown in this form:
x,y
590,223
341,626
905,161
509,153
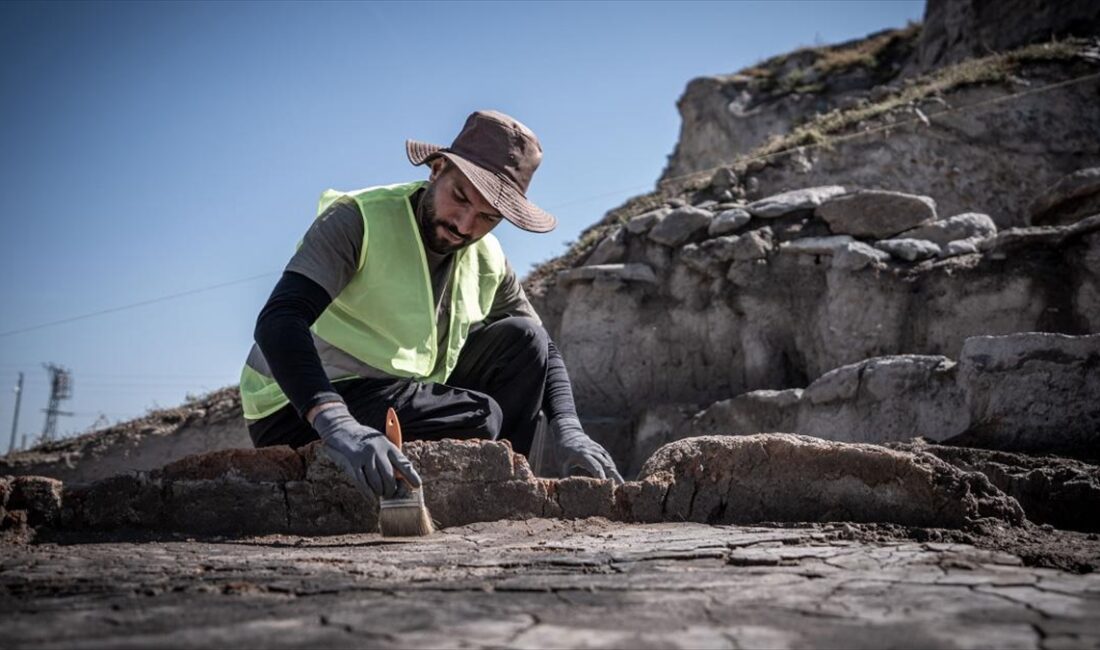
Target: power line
x,y
136,304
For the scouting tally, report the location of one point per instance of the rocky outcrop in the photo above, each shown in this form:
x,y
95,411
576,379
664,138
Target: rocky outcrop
x,y
718,479
955,30
782,300
964,134
1037,393
729,115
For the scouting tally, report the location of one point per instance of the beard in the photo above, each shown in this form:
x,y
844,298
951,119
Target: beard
x,y
430,226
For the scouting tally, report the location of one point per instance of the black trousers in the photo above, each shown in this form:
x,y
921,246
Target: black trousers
x,y
495,391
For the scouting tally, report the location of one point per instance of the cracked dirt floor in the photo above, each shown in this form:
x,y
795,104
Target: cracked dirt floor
x,y
543,583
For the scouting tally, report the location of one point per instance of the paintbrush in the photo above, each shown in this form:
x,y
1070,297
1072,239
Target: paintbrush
x,y
404,514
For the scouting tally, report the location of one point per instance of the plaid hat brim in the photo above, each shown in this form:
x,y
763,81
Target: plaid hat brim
x,y
502,195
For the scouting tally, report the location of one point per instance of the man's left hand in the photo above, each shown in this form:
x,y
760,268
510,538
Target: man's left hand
x,y
573,448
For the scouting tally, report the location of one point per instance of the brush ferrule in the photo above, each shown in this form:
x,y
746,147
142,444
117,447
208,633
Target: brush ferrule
x,y
412,499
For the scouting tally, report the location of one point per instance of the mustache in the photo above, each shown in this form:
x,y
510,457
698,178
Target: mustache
x,y
449,228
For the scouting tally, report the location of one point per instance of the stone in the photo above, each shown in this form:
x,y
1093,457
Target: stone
x,y
696,257
788,478
271,464
966,226
1033,393
224,507
876,214
817,245
858,255
5,492
885,399
39,497
961,247
723,178
1012,239
643,222
1072,198
785,203
708,256
910,250
752,412
610,272
610,250
728,221
585,497
123,501
680,226
753,245
656,427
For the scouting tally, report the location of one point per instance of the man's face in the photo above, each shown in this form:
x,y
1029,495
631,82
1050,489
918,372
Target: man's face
x,y
452,213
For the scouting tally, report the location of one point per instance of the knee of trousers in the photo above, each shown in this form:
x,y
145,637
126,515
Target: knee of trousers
x,y
489,427
528,333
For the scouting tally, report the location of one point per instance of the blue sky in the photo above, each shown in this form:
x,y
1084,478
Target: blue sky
x,y
151,149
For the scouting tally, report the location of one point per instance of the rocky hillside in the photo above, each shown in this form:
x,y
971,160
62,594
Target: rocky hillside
x,y
910,211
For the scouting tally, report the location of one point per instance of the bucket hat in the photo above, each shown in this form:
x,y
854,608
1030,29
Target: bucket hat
x,y
499,155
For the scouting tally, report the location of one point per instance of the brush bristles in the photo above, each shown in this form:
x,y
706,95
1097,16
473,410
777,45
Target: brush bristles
x,y
405,516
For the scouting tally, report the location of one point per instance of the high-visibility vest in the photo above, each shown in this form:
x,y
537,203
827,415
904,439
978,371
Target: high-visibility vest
x,y
386,315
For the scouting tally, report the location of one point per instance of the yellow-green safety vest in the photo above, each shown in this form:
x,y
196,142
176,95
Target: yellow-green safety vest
x,y
386,315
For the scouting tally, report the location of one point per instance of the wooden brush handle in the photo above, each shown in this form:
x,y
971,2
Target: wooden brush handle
x,y
393,434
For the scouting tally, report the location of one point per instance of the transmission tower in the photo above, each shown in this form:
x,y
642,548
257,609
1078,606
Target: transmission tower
x,y
61,387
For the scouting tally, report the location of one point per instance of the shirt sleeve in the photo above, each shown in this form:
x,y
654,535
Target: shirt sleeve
x,y
283,335
510,300
557,398
330,250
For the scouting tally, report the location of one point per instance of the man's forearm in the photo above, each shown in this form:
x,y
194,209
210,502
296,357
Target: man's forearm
x,y
557,399
282,333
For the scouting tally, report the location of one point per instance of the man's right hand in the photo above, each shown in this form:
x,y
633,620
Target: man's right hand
x,y
364,453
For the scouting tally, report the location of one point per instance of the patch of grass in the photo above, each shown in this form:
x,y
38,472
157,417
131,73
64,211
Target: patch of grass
x,y
989,69
866,52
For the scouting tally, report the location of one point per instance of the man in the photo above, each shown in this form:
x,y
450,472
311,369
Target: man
x,y
399,296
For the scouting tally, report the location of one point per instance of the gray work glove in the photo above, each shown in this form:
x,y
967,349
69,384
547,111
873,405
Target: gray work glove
x,y
364,453
573,448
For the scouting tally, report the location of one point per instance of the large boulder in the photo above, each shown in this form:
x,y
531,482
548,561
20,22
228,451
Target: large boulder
x,y
969,225
876,214
1033,392
786,203
784,477
889,398
680,226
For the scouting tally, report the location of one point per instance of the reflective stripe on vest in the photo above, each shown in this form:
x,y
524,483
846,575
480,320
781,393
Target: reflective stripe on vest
x,y
386,315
